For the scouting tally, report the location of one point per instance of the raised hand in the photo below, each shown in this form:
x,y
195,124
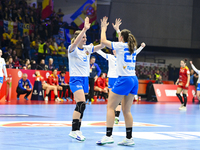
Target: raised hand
x,y
118,22
87,23
143,44
104,22
190,62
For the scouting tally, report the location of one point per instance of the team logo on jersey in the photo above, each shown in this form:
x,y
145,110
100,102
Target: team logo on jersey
x,y
87,53
124,67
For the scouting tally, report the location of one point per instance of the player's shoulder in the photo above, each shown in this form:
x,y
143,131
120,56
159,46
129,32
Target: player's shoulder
x,y
186,67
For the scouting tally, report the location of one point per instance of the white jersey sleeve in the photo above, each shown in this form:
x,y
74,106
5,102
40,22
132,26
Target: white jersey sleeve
x,y
104,55
195,69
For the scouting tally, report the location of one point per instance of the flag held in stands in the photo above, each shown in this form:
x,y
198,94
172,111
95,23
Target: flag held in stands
x,y
47,8
89,9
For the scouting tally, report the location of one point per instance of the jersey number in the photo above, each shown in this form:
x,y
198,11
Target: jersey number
x,y
127,57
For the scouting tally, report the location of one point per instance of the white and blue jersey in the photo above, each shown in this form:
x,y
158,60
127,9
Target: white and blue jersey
x,y
127,81
79,67
198,72
112,67
2,67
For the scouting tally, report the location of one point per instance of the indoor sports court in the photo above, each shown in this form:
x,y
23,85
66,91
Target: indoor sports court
x,y
46,126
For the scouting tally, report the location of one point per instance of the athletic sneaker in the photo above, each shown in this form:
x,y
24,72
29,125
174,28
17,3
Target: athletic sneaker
x,y
92,99
77,135
183,108
17,98
58,99
69,99
64,99
89,103
182,105
46,98
116,120
26,98
105,140
127,142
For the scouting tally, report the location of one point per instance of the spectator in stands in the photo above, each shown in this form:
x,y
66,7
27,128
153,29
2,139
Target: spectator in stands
x,y
52,48
62,50
159,80
7,37
27,64
53,80
32,37
95,71
24,87
41,50
149,77
35,44
51,65
157,75
17,64
100,86
65,86
60,14
42,65
19,47
55,44
9,63
8,54
14,54
26,17
32,18
33,65
13,41
26,43
19,16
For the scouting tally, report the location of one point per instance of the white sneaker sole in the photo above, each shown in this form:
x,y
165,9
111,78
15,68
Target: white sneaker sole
x,y
76,138
105,143
126,144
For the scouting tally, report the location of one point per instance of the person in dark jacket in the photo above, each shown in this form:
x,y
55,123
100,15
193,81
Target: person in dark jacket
x,y
61,81
95,72
26,43
24,87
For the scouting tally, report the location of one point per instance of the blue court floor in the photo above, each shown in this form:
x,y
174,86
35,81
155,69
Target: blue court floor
x,y
46,127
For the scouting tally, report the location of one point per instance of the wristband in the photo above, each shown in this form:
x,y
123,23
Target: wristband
x,y
118,31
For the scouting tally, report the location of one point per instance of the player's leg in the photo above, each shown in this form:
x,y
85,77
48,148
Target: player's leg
x,y
113,101
185,91
77,87
179,90
117,113
126,109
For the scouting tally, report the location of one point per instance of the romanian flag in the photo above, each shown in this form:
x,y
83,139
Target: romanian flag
x,y
29,28
47,8
10,25
89,9
69,33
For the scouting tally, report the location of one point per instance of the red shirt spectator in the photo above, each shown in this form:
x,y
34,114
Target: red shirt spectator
x,y
53,80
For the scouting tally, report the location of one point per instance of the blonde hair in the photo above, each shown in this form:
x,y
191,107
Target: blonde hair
x,y
75,36
130,39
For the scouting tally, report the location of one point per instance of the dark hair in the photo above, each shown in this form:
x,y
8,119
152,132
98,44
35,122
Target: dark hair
x,y
184,60
53,70
130,39
62,72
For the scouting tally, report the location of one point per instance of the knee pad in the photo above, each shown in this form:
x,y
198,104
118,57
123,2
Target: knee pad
x,y
80,107
184,96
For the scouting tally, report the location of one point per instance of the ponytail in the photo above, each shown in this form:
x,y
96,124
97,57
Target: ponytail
x,y
130,39
75,36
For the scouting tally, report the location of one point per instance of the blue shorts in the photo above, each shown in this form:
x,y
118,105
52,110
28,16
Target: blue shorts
x,y
111,82
198,87
1,79
126,85
78,83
